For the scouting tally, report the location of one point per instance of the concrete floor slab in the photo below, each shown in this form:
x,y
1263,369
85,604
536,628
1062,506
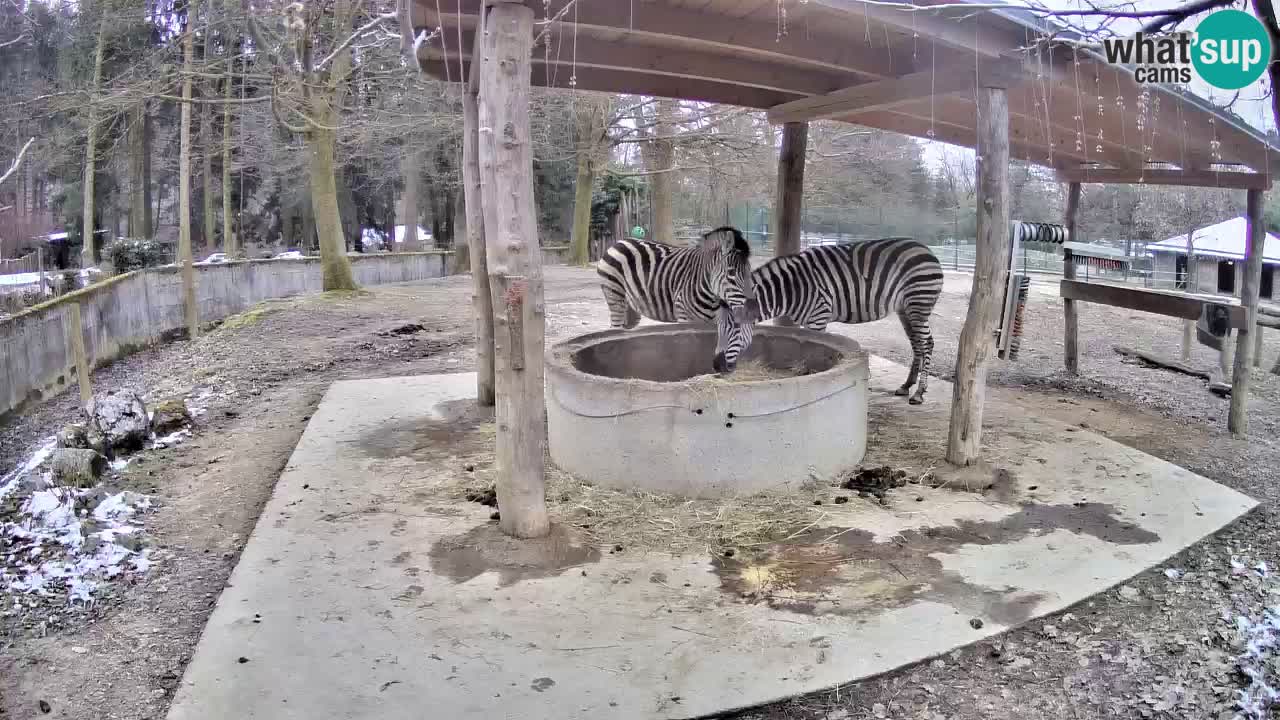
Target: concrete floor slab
x,y
354,599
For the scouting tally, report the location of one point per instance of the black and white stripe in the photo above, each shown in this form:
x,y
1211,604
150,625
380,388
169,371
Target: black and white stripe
x,y
675,284
854,282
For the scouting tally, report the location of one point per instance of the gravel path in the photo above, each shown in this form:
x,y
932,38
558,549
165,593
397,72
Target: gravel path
x,y
1157,648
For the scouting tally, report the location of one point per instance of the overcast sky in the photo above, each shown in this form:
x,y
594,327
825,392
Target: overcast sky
x,y
1252,105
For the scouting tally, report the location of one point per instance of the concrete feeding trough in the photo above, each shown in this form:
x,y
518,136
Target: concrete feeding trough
x,y
639,409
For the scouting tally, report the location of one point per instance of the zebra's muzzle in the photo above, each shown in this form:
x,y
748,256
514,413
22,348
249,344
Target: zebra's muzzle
x,y
720,364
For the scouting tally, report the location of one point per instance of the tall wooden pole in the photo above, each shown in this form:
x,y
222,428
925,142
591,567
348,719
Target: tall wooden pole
x,y
75,343
1070,319
185,259
514,266
481,300
1238,419
990,272
789,198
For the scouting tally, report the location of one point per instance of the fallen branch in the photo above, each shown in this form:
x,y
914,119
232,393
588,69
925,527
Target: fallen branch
x,y
16,161
1157,361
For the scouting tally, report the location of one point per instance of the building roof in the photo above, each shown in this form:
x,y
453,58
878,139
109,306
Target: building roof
x,y
1224,240
1098,251
905,70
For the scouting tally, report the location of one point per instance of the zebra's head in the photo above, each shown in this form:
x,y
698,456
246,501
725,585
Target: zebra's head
x,y
734,330
728,265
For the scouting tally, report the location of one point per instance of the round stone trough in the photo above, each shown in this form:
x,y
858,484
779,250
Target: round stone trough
x,y
626,410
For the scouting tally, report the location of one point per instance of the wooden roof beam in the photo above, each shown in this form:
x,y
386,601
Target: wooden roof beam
x,y
609,80
894,91
739,38
893,120
633,58
1227,179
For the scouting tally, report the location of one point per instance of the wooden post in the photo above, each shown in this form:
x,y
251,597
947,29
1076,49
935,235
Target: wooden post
x,y
481,300
789,198
1070,319
1189,286
1238,419
75,343
1257,345
989,275
40,269
514,266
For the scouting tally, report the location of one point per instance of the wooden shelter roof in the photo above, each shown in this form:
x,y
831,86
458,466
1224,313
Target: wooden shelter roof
x,y
876,65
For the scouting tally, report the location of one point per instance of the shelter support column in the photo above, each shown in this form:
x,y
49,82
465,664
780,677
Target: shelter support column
x,y
789,199
1238,419
481,301
514,266
1070,320
990,273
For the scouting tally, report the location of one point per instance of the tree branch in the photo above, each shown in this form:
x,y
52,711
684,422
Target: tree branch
x,y
359,32
16,161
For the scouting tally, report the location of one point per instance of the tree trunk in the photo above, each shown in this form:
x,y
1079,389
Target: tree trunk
x,y
990,272
206,173
579,237
481,299
1241,373
663,183
411,201
324,206
230,241
184,179
139,212
511,238
789,198
148,135
88,252
461,250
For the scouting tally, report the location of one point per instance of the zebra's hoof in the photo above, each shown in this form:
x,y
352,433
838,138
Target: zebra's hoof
x,y
902,390
915,400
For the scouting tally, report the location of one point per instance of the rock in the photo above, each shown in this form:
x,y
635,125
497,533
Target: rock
x,y
75,436
122,420
98,441
169,415
77,467
1130,593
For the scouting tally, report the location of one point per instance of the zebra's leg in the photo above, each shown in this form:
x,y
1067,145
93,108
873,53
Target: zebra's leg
x,y
926,358
912,337
621,314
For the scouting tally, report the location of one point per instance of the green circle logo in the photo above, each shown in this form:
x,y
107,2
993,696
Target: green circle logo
x,y
1232,49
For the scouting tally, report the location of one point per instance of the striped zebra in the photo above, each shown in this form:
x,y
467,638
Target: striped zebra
x,y
678,284
853,282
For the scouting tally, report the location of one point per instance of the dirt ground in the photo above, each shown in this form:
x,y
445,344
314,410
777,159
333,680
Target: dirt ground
x,y
1159,647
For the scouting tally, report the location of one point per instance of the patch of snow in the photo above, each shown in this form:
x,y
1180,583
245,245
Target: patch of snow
x,y
52,547
1172,573
119,464
199,404
33,461
172,438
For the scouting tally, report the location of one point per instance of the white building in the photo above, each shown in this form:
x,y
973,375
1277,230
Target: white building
x,y
1219,255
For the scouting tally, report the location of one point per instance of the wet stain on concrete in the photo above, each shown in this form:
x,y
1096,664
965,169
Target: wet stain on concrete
x,y
463,428
401,558
541,684
486,549
843,571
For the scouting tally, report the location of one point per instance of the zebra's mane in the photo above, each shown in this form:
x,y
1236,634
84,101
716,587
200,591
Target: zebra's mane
x,y
740,244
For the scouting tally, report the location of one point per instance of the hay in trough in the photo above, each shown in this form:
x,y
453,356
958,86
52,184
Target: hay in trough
x,y
750,371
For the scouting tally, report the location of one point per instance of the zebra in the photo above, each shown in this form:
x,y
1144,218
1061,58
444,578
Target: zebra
x,y
678,284
851,282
